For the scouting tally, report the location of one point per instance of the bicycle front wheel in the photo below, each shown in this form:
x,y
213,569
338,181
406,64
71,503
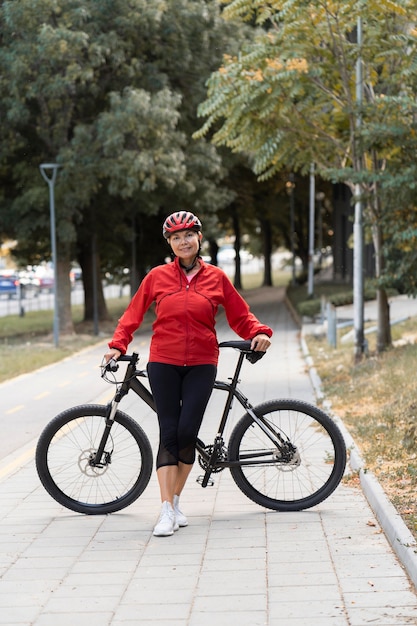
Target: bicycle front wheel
x,y
69,443
293,461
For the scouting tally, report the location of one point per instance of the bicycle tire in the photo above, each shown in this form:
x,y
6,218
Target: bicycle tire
x,y
63,451
316,469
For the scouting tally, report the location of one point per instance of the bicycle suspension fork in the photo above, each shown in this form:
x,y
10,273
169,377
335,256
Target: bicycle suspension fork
x,y
101,458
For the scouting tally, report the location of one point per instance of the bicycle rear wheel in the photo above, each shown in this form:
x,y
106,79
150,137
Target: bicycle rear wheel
x,y
302,470
69,442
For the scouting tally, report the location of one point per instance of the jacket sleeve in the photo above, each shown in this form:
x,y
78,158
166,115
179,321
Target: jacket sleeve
x,y
239,315
133,316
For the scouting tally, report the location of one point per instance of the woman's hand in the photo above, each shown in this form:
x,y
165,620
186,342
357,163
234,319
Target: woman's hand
x,y
260,343
112,354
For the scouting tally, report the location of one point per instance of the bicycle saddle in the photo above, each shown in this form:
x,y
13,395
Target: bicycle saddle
x,y
243,346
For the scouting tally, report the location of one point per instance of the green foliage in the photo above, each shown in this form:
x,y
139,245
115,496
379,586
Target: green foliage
x,y
290,98
109,90
313,307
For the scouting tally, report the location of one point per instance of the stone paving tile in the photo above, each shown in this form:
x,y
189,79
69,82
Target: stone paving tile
x,y
381,615
69,619
280,620
232,603
248,618
297,608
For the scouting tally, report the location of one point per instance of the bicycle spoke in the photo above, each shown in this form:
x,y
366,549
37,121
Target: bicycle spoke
x,y
66,460
301,470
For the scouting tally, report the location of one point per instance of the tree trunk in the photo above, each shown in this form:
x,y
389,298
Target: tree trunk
x,y
383,320
383,314
93,285
66,326
213,250
267,245
236,227
383,326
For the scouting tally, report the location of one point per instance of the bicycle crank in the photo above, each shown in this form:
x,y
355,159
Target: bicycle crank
x,y
205,462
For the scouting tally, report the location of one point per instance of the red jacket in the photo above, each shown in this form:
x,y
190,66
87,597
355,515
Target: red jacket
x,y
184,329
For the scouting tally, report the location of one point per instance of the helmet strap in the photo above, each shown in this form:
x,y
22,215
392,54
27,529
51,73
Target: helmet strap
x,y
188,268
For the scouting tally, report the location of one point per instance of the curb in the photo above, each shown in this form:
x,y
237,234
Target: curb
x,y
397,533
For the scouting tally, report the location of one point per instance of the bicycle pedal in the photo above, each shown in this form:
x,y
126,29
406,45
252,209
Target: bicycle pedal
x,y
200,479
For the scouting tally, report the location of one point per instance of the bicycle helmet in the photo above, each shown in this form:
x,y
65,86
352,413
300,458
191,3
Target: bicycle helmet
x,y
181,220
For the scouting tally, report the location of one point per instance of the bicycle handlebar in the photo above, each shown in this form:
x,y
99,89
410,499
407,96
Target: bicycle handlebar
x,y
242,345
113,364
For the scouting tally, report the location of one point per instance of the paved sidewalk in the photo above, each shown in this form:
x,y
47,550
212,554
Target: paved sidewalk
x,y
235,563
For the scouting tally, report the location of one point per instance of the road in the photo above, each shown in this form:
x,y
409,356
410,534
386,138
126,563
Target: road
x,y
31,400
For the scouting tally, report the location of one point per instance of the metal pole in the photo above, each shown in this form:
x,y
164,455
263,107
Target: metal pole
x,y
358,288
53,168
311,233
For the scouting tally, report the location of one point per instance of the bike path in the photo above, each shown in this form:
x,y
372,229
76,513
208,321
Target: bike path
x,y
234,563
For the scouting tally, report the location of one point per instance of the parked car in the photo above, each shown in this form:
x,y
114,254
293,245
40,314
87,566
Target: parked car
x,y
9,285
43,278
28,285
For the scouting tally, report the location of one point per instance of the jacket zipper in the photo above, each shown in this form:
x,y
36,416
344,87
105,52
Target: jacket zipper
x,y
187,289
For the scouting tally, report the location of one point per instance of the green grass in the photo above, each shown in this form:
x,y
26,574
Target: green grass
x,y
377,401
34,323
27,342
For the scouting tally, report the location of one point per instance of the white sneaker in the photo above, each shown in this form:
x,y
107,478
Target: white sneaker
x,y
179,515
167,523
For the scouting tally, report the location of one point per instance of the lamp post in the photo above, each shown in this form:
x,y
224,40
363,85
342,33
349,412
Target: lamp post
x,y
49,172
358,287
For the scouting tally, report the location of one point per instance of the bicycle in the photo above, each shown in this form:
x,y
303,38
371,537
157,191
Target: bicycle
x,y
285,455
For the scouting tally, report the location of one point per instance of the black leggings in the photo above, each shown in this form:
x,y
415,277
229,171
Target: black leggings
x,y
181,395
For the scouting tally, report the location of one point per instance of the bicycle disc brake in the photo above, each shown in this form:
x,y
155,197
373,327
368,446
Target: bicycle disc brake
x,y
93,469
288,458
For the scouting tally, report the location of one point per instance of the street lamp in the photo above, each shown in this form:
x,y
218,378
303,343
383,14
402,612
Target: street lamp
x,y
49,172
358,243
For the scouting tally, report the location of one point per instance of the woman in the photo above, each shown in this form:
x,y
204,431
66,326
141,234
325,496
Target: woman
x,y
184,351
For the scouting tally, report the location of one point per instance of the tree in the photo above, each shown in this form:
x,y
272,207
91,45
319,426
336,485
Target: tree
x,y
109,90
289,99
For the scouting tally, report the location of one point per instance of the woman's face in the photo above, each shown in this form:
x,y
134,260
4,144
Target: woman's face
x,y
185,244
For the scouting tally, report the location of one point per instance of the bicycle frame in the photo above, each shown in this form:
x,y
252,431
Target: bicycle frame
x,y
213,456
283,454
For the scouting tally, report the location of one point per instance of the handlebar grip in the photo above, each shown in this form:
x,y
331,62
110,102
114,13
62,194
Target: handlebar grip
x,y
112,366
